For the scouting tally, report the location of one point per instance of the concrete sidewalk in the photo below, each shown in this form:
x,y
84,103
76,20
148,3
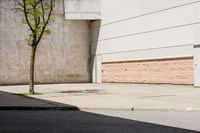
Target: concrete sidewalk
x,y
115,96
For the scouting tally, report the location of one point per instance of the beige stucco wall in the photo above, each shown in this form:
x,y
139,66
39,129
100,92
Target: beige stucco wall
x,y
168,71
62,57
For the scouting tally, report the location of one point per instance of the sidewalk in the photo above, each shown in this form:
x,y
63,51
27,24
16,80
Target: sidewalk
x,y
109,96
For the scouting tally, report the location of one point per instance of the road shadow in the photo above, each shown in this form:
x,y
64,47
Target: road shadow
x,y
10,101
63,121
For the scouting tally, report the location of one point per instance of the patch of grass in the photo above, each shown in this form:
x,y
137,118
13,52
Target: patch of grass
x,y
28,94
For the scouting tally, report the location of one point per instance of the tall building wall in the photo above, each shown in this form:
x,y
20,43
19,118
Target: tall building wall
x,y
61,57
141,30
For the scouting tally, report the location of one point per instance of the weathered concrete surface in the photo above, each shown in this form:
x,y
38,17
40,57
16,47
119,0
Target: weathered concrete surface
x,y
82,9
118,96
61,57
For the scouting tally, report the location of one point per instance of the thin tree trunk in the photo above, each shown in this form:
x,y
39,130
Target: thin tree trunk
x,y
32,65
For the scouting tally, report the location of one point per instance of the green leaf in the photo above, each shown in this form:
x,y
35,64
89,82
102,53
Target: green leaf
x,y
47,31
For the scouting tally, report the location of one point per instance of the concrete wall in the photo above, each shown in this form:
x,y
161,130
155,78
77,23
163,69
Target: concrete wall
x,y
82,9
145,29
62,57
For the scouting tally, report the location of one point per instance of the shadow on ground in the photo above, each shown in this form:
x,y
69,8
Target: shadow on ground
x,y
56,120
10,101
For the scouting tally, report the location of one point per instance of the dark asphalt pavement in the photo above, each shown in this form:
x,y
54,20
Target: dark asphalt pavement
x,y
50,121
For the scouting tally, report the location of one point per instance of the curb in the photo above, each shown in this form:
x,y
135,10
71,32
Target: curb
x,y
74,108
38,108
140,109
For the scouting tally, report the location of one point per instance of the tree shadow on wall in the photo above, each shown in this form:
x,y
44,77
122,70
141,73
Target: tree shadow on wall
x,y
61,120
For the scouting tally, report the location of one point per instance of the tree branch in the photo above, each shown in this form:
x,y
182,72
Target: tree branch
x,y
35,24
47,21
26,16
43,11
38,22
29,44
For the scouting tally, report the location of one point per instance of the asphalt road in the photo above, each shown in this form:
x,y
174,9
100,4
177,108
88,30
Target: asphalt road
x,y
80,122
184,120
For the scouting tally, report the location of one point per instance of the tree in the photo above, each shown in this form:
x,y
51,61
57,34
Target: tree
x,y
37,14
